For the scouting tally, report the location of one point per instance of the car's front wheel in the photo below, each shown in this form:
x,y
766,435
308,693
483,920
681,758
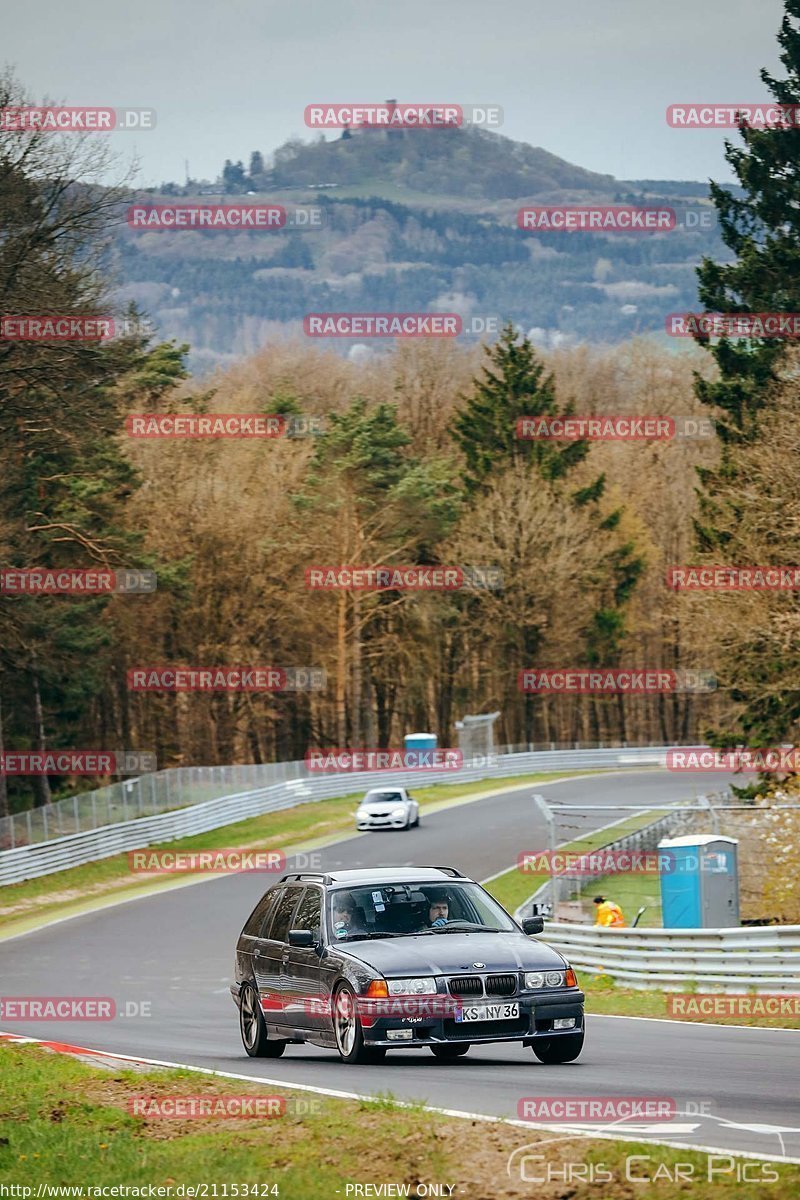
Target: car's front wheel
x,y
562,1049
456,1050
348,1032
253,1029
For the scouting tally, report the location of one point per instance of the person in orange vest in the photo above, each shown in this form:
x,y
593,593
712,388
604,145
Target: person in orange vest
x,y
609,914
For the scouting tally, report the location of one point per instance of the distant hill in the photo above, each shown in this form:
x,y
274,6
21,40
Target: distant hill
x,y
468,162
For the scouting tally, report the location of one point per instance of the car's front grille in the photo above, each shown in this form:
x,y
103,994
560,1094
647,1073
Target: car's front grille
x,y
501,985
465,1030
466,985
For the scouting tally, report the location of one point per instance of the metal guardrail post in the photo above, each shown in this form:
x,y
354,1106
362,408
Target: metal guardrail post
x,y
706,802
549,816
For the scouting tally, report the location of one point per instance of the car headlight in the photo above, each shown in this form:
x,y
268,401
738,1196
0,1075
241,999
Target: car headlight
x,y
422,986
540,979
399,811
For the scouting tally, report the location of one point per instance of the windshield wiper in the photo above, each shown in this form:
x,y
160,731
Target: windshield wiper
x,y
360,937
458,928
472,928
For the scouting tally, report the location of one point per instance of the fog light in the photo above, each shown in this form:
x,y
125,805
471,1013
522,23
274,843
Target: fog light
x,y
564,1023
399,1035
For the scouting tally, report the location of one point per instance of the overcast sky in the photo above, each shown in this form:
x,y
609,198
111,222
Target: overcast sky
x,y
588,81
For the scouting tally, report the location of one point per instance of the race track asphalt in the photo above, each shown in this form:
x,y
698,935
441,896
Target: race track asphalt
x,y
735,1088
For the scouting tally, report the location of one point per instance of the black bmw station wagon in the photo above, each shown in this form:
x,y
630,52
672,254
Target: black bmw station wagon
x,y
363,961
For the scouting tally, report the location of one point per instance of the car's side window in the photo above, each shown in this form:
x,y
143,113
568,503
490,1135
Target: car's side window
x,y
278,927
256,918
309,912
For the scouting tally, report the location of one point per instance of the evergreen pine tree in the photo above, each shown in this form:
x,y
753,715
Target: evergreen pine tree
x,y
762,229
513,385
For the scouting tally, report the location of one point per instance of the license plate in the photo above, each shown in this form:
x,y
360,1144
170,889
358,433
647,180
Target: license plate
x,y
487,1012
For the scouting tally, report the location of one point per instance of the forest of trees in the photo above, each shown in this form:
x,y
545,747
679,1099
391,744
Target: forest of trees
x,y
418,463
228,293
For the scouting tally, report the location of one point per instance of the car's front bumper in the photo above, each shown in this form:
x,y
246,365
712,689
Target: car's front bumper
x,y
535,1021
372,822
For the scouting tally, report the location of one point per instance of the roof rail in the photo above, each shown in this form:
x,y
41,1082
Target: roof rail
x,y
454,871
317,876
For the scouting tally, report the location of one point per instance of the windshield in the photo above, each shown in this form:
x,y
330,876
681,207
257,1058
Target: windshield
x,y
383,798
400,909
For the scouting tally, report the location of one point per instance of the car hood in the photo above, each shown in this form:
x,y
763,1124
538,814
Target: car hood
x,y
452,953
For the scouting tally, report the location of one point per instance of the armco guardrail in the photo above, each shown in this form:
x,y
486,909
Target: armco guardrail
x,y
178,787
58,854
140,796
760,958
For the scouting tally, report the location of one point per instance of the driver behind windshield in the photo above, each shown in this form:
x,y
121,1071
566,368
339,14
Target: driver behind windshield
x,y
438,909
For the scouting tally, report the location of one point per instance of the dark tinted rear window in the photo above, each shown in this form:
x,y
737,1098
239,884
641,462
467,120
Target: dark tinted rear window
x,y
309,911
278,926
256,918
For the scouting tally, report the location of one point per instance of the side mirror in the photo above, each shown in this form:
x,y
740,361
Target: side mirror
x,y
529,925
301,937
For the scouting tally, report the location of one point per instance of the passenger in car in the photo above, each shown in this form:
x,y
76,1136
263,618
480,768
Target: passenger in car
x,y
348,921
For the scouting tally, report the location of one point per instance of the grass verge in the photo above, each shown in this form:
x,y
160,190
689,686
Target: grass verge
x,y
605,995
306,827
66,1124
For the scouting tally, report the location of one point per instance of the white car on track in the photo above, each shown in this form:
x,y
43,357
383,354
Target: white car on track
x,y
387,808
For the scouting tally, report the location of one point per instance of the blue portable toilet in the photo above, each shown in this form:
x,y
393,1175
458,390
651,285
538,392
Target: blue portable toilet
x,y
421,741
699,882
